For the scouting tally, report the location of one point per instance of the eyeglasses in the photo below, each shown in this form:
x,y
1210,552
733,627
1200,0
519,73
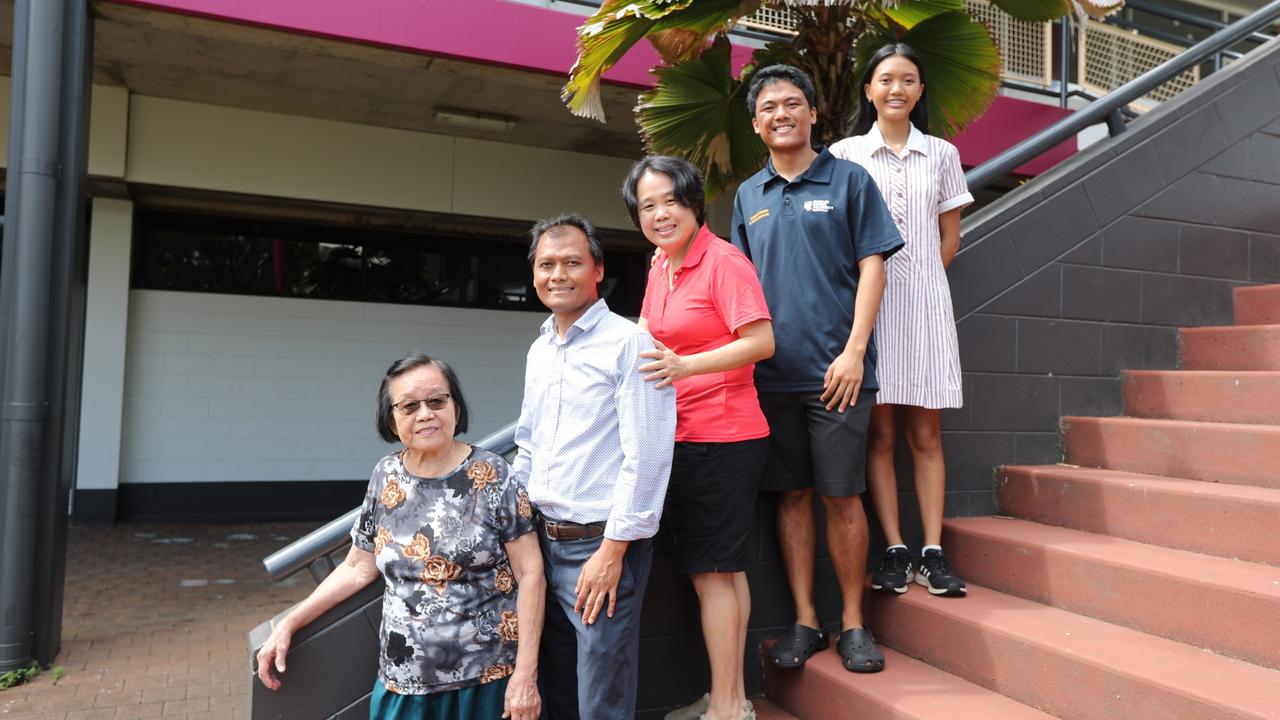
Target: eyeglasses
x,y
435,403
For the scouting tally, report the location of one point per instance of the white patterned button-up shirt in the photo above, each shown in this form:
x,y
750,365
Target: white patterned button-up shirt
x,y
594,438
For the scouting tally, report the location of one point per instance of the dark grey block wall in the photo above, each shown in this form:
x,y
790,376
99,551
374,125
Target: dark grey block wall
x,y
1092,268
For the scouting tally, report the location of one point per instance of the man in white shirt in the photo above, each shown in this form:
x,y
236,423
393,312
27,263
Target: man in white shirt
x,y
595,443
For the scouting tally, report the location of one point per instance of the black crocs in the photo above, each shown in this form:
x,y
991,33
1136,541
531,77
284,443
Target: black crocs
x,y
794,648
858,651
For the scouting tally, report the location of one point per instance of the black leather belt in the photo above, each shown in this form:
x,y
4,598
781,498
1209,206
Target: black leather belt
x,y
565,530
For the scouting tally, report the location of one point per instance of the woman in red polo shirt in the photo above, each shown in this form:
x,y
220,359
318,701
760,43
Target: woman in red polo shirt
x,y
707,314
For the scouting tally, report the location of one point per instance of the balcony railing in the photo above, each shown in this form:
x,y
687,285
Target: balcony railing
x,y
1106,54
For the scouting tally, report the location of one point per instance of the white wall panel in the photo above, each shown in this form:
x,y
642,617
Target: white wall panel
x,y
517,181
237,388
212,147
108,128
106,315
186,144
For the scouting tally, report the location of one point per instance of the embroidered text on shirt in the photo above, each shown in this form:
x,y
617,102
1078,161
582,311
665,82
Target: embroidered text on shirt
x,y
818,206
758,216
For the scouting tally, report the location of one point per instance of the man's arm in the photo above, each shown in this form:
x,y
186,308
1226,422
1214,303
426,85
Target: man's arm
x,y
844,376
646,435
875,238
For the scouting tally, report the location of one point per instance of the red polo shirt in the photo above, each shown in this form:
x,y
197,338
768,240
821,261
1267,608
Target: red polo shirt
x,y
715,292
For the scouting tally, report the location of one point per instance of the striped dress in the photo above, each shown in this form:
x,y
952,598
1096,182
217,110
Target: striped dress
x,y
915,332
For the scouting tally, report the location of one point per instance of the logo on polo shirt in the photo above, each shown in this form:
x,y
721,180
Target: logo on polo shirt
x,y
758,216
818,206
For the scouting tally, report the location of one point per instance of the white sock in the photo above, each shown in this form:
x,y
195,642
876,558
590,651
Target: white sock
x,y
892,547
927,548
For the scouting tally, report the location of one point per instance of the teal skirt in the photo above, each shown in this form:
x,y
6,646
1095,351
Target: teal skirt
x,y
478,702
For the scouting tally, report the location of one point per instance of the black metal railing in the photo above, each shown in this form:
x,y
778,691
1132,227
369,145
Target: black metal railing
x,y
313,551
1108,108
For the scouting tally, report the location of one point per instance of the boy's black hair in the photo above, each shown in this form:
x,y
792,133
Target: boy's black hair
x,y
774,73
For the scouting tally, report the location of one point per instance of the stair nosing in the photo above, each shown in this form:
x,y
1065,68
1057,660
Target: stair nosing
x,y
1216,562
827,667
1169,422
1234,491
1072,622
1244,374
1207,329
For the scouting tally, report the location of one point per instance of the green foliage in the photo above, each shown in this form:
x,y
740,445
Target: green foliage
x,y
698,111
697,108
1035,10
908,14
21,676
679,30
57,673
962,66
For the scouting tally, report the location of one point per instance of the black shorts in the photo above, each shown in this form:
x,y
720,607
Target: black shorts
x,y
710,503
811,446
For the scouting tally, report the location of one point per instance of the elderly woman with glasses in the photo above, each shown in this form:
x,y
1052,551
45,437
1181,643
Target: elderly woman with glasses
x,y
453,538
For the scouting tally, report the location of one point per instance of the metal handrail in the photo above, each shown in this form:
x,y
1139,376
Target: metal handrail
x,y
312,551
1034,89
1107,108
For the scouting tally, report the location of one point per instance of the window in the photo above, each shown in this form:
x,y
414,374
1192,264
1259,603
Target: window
x,y
198,253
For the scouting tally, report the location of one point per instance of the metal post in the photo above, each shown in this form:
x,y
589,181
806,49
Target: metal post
x,y
1115,123
25,409
66,323
321,568
1064,61
13,180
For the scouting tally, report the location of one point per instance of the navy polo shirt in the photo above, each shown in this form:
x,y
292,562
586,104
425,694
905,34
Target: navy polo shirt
x,y
806,238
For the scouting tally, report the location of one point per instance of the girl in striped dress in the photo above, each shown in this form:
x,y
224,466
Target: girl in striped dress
x,y
915,333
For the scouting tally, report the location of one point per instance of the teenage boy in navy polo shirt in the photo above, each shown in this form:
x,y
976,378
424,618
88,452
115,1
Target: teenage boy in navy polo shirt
x,y
818,232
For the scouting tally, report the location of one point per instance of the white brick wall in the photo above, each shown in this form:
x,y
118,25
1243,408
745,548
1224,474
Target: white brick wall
x,y
237,388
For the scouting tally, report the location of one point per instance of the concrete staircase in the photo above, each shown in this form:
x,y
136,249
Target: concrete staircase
x,y
1140,580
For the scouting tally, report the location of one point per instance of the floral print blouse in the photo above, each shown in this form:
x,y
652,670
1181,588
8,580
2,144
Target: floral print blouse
x,y
449,610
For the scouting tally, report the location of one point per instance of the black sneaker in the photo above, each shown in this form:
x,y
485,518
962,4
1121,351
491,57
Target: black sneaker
x,y
936,575
894,573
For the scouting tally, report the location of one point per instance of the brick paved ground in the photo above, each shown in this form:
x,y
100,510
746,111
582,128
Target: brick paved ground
x,y
156,620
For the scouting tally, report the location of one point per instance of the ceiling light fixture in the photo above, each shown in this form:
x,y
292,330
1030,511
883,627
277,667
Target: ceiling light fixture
x,y
474,120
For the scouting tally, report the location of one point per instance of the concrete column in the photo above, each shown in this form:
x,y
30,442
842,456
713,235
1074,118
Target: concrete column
x,y
106,325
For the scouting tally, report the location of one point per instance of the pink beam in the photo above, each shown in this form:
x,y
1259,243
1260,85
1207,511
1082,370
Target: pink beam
x,y
1006,122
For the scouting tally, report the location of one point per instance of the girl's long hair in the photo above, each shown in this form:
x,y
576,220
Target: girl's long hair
x,y
866,114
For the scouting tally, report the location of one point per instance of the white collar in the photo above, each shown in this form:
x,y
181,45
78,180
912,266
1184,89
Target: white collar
x,y
916,140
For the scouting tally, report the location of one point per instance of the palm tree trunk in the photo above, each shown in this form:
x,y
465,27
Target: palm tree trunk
x,y
823,48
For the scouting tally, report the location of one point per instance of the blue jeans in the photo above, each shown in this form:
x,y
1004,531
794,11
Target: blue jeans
x,y
590,671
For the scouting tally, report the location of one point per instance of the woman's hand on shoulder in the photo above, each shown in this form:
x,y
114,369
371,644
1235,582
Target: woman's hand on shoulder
x,y
667,367
522,701
271,655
